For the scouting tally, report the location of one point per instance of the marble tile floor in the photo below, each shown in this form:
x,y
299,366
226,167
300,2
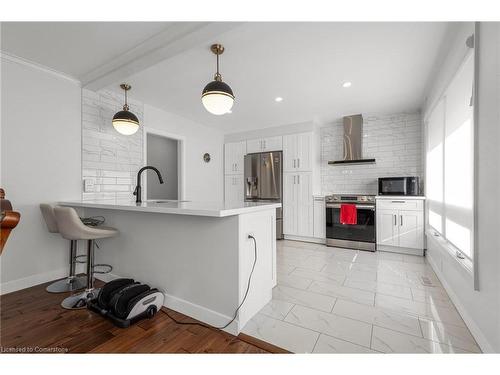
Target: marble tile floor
x,y
333,300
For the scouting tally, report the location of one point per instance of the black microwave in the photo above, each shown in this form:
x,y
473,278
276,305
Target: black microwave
x,y
398,186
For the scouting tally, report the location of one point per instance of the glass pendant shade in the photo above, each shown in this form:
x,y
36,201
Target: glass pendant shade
x,y
217,98
125,122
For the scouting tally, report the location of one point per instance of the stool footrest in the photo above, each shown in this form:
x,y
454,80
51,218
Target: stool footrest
x,y
109,266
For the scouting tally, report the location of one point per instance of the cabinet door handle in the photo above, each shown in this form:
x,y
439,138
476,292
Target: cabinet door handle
x,y
294,163
398,202
298,179
401,219
298,163
395,220
294,179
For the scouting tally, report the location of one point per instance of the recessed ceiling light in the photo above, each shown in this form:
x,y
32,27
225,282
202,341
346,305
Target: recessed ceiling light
x,y
347,84
278,99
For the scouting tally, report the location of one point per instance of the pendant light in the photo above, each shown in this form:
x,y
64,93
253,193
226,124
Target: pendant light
x,y
125,122
217,97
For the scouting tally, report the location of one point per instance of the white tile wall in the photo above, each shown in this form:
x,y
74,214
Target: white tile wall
x,y
109,158
395,141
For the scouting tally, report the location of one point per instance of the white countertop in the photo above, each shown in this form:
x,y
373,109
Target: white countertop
x,y
214,209
402,197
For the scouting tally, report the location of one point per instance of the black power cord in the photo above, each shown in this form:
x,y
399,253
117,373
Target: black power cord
x,y
238,308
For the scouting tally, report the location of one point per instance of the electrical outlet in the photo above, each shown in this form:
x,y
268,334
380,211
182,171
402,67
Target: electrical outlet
x,y
88,185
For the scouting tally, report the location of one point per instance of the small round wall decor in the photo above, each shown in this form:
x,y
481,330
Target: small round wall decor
x,y
206,157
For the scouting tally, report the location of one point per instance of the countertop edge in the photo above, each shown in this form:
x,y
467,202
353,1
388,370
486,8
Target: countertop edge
x,y
173,211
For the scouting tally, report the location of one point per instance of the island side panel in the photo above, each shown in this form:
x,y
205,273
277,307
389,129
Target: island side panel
x,y
261,225
193,259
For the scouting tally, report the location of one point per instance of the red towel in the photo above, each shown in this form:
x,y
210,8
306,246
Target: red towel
x,y
348,214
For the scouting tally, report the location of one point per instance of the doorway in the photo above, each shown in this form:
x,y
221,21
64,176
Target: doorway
x,y
163,151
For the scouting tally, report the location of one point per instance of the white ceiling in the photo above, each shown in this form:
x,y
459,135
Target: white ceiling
x,y
389,65
75,48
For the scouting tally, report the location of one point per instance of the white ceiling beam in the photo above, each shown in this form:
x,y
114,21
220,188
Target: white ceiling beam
x,y
175,39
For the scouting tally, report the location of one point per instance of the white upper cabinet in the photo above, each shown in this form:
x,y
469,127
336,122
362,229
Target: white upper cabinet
x,y
297,152
265,144
234,154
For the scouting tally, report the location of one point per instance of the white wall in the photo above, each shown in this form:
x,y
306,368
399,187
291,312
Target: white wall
x,y
202,181
40,162
480,309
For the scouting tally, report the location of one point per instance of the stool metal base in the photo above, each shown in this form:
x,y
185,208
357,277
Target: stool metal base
x,y
69,284
79,301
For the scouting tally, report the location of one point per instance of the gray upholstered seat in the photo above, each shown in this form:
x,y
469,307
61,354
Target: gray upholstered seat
x,y
72,282
71,227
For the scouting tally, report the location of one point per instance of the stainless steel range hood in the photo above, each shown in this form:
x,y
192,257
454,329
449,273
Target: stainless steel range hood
x,y
353,142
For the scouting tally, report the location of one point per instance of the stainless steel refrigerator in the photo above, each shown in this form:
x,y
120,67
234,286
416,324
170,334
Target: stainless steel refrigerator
x,y
264,181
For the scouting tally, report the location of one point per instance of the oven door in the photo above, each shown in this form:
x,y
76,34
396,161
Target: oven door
x,y
363,231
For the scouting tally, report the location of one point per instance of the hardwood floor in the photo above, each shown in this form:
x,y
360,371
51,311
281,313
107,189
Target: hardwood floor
x,y
32,319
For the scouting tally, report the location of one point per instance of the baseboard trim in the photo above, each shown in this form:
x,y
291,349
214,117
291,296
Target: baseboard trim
x,y
27,282
481,340
190,309
305,239
401,250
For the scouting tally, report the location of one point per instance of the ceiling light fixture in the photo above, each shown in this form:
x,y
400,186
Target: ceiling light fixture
x,y
125,122
278,99
217,97
347,84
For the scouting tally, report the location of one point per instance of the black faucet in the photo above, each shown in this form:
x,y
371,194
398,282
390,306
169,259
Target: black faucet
x,y
138,188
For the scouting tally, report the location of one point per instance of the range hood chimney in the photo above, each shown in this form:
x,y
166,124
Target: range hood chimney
x,y
353,142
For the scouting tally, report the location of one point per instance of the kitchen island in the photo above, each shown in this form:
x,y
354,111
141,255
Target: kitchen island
x,y
198,253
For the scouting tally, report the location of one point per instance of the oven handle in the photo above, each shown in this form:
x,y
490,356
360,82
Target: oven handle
x,y
359,206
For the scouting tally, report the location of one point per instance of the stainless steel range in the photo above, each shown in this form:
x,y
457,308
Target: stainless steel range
x,y
359,236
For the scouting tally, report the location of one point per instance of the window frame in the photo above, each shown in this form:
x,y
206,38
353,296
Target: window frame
x,y
466,261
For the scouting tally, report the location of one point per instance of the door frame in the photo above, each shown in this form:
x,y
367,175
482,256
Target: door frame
x,y
181,159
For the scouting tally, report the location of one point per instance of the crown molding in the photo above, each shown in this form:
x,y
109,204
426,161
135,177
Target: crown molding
x,y
34,65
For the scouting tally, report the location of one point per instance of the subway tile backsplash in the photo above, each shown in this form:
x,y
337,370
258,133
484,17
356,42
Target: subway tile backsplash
x,y
110,159
395,141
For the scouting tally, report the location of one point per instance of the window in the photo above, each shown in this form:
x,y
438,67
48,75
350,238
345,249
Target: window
x,y
449,163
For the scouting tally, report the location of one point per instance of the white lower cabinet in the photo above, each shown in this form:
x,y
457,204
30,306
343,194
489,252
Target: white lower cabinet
x,y
400,225
297,204
319,222
234,189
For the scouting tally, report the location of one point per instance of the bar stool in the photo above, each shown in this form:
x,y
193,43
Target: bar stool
x,y
71,227
72,282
